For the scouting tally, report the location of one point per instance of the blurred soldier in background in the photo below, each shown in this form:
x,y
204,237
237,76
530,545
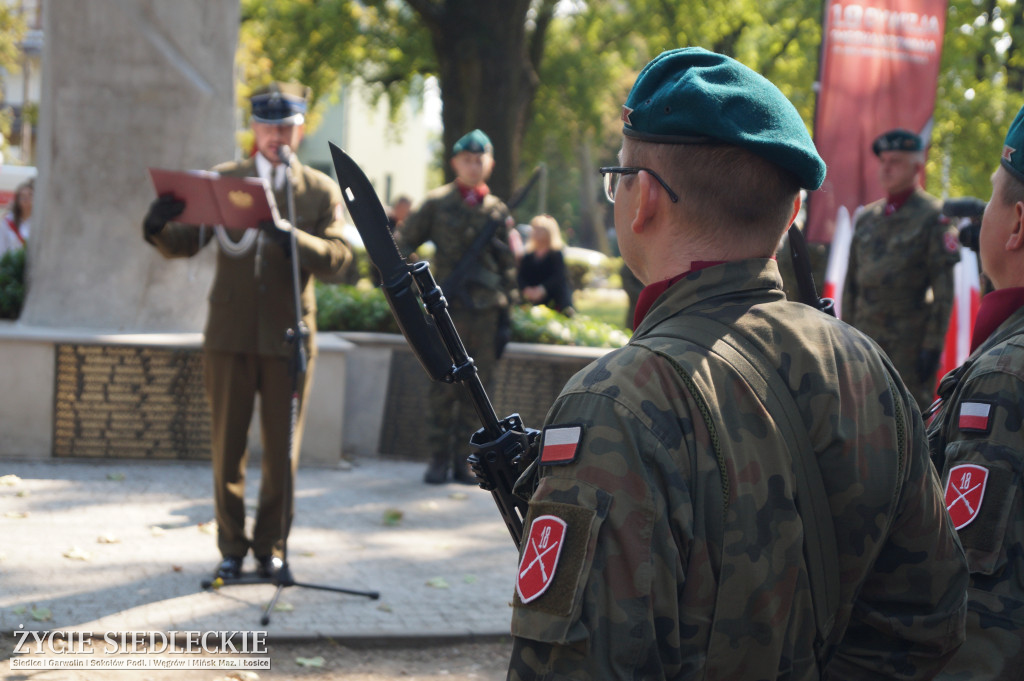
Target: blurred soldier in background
x,y
899,283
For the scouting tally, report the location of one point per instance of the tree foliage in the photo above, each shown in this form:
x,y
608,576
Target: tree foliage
x,y
547,78
12,32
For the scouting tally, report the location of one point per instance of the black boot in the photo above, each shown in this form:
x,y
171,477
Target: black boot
x,y
462,471
437,470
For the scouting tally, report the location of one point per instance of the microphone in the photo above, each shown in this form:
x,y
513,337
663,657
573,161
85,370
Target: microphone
x,y
284,153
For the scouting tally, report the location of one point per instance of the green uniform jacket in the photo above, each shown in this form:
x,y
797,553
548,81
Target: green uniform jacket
x,y
894,260
993,539
683,551
453,225
251,312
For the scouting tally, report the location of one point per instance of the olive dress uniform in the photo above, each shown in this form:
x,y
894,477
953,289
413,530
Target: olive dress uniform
x,y
251,308
895,260
453,224
977,441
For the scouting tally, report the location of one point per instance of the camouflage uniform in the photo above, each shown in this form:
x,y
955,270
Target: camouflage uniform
x,y
894,260
993,538
684,547
453,225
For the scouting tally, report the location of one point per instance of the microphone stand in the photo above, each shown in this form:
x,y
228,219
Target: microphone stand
x,y
297,365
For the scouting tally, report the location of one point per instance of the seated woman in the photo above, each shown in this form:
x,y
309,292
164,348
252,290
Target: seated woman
x,y
543,277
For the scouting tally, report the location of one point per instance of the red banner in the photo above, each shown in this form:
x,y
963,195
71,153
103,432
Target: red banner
x,y
880,64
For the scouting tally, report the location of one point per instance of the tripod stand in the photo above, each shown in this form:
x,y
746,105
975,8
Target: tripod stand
x,y
297,366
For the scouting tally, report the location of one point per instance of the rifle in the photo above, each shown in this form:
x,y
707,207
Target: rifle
x,y
804,278
502,449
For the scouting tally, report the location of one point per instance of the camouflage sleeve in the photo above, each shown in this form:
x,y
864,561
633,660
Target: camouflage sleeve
x,y
507,262
982,473
595,620
416,229
908,620
943,255
323,252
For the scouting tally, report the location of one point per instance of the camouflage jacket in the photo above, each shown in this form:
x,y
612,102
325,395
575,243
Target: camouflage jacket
x,y
683,546
894,261
453,225
252,307
977,441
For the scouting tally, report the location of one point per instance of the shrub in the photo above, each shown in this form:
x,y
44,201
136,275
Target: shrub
x,y
353,308
12,283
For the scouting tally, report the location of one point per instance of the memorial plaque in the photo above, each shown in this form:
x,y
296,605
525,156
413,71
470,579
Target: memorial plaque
x,y
130,402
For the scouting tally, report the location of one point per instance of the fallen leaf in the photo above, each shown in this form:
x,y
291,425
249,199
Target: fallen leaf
x,y
307,554
157,531
41,614
393,516
458,496
437,583
16,514
176,568
22,493
384,607
310,661
209,527
9,480
108,538
75,553
20,610
430,506
469,579
117,477
281,606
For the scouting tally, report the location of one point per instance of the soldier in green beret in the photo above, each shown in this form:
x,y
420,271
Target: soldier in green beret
x,y
977,438
899,281
251,308
742,492
476,268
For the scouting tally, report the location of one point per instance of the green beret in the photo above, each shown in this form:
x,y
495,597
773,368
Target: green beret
x,y
897,140
280,104
692,96
1013,148
475,142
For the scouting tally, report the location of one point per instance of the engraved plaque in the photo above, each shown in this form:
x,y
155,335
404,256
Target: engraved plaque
x,y
130,402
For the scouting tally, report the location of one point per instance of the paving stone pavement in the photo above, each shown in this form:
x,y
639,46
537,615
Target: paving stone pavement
x,y
113,545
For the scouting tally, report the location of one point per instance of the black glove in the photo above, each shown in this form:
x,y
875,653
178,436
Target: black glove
x,y
279,232
927,363
161,211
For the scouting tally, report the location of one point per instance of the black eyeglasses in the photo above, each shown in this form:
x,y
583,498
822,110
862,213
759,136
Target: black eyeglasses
x,y
611,180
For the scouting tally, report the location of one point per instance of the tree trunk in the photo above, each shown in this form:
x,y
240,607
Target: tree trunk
x,y
486,78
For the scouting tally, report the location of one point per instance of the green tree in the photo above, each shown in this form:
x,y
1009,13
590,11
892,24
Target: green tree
x,y
12,31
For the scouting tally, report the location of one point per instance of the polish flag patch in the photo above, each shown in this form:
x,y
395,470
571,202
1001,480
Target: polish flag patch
x,y
975,417
560,445
540,558
965,490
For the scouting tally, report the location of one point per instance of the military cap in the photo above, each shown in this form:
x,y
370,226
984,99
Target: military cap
x,y
476,142
693,96
280,104
1013,148
897,140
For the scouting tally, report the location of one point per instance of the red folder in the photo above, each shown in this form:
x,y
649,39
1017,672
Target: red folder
x,y
214,199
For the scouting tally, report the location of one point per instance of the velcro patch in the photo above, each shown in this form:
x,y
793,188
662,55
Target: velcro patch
x,y
965,490
975,417
540,557
560,444
951,242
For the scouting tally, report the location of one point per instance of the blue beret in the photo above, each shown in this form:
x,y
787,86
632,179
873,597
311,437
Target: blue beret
x,y
280,104
692,96
475,142
897,140
1013,148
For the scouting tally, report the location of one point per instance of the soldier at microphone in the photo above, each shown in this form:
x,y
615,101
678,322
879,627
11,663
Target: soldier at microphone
x,y
251,310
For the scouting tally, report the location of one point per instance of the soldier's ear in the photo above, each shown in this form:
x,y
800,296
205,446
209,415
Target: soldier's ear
x,y
1016,240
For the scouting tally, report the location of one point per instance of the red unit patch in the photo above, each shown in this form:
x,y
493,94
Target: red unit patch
x,y
540,557
965,490
952,242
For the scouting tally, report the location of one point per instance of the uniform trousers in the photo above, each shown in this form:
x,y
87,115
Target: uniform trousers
x,y
452,418
232,382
